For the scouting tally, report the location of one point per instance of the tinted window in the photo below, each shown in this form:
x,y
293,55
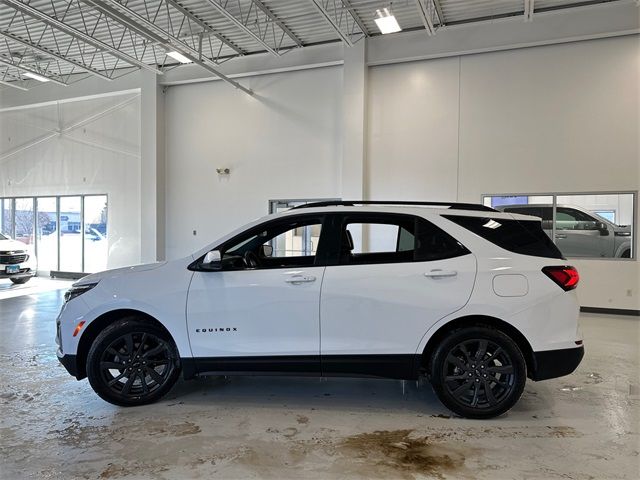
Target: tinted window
x,y
395,239
544,213
519,236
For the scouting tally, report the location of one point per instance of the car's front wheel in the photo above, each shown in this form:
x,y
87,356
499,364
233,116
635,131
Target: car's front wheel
x,y
478,372
132,363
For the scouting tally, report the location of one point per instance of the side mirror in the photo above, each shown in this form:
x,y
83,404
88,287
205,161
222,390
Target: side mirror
x,y
602,227
212,260
266,251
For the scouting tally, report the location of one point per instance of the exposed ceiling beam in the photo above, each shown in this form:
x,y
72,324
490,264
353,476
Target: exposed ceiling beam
x,y
46,51
14,85
529,6
11,63
153,33
205,26
425,16
85,37
321,7
257,36
356,17
278,22
441,21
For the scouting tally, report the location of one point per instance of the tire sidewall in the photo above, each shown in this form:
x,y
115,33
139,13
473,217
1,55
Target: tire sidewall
x,y
470,333
104,339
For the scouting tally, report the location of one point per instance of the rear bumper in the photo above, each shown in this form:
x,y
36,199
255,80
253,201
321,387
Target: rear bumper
x,y
69,362
556,363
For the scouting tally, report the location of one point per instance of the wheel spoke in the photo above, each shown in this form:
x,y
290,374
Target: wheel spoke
x,y
154,351
451,378
476,389
127,386
116,353
457,362
145,387
498,382
461,390
159,379
128,339
141,346
115,380
482,349
111,366
489,394
465,352
506,369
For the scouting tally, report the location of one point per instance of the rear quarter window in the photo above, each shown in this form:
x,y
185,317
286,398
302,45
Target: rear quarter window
x,y
524,237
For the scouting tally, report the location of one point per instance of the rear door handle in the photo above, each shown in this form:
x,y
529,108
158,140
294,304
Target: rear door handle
x,y
296,279
441,273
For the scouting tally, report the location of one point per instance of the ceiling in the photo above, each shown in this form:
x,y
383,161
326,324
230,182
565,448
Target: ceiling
x,y
59,39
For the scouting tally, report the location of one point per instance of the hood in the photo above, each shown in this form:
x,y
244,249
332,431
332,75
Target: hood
x,y
116,272
11,245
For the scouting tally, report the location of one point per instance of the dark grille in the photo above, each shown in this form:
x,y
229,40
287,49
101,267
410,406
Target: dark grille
x,y
12,259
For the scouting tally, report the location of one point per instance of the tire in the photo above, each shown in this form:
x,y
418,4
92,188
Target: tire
x,y
20,281
626,254
478,372
130,380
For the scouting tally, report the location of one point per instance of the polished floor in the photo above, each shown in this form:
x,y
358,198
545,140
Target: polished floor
x,y
584,426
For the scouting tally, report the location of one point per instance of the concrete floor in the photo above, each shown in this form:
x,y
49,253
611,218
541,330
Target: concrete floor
x,y
51,426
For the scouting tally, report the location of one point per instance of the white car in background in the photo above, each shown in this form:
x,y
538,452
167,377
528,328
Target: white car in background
x,y
474,299
17,262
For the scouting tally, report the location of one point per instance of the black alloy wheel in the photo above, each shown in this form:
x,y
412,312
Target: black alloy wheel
x,y
132,363
478,372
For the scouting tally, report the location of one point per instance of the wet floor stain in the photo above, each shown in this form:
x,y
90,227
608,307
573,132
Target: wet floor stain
x,y
404,454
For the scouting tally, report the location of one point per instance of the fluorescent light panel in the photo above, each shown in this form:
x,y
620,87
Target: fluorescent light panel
x,y
35,76
179,57
386,21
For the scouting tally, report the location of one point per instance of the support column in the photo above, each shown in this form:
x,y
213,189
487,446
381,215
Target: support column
x,y
152,169
355,76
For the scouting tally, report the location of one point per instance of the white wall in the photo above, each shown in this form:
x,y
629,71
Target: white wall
x,y
284,142
560,118
100,154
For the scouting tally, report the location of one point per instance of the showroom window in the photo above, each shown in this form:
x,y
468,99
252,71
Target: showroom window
x,y
52,227
587,225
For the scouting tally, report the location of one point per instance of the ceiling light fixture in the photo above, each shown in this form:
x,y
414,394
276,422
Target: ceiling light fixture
x,y
179,57
35,76
386,21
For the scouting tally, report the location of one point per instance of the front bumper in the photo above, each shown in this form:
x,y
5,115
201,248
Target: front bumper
x,y
68,362
556,363
24,272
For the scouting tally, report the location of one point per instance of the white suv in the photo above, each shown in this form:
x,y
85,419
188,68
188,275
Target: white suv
x,y
475,299
17,262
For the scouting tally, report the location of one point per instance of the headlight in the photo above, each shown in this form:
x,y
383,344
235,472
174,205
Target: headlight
x,y
78,290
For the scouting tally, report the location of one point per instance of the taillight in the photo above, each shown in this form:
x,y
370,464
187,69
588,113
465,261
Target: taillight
x,y
566,277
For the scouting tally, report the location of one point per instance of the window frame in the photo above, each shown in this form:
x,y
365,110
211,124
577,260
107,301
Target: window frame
x,y
555,195
320,258
386,218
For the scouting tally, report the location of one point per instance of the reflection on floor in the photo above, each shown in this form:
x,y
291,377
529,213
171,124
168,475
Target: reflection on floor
x,y
581,426
36,285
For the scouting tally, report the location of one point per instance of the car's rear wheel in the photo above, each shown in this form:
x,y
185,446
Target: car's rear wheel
x,y
20,281
478,372
132,363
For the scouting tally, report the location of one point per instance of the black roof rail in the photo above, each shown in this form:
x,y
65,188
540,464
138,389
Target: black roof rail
x,y
353,203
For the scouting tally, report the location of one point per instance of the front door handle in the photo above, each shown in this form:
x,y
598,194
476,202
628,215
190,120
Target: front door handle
x,y
297,279
441,273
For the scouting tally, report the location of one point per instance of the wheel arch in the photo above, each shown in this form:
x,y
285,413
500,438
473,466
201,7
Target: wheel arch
x,y
99,324
475,321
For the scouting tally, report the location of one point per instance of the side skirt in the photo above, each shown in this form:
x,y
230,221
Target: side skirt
x,y
397,366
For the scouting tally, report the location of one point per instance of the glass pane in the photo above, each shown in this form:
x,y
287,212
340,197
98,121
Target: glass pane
x,y
7,217
47,233
24,220
297,242
95,233
540,206
595,225
70,238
